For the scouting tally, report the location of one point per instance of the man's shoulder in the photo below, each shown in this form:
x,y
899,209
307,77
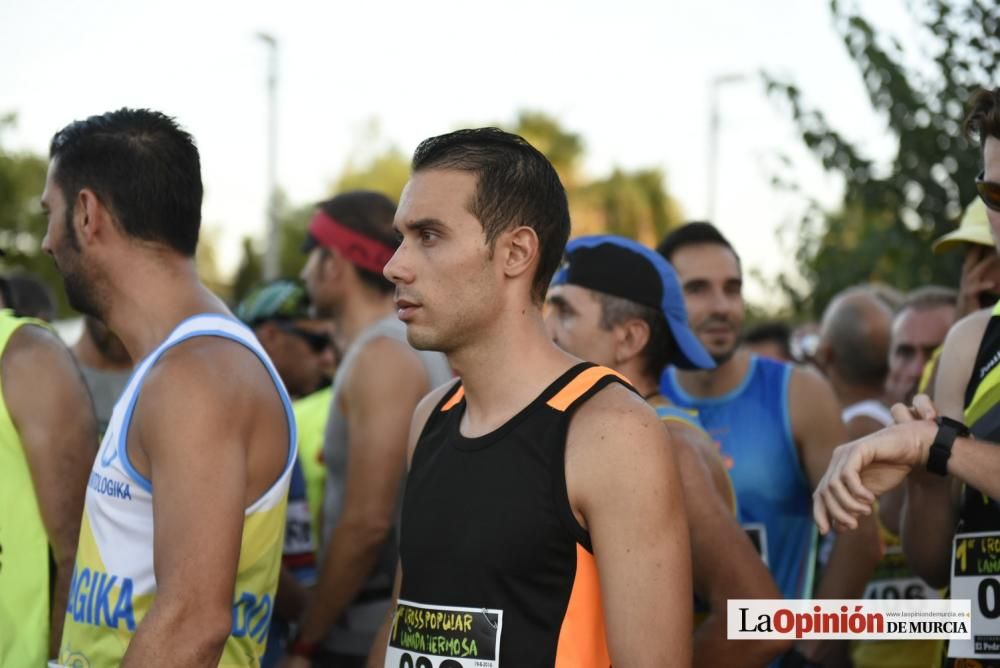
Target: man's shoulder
x,y
966,334
31,343
612,411
203,366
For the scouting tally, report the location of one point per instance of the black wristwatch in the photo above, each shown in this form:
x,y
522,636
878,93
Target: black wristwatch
x,y
948,431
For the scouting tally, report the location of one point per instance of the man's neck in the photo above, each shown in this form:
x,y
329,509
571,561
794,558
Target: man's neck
x,y
849,394
144,312
647,386
89,355
716,382
506,369
359,312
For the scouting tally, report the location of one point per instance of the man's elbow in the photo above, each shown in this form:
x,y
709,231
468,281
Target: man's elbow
x,y
204,627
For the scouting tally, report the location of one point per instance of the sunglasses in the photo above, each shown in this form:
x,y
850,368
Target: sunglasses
x,y
317,341
989,191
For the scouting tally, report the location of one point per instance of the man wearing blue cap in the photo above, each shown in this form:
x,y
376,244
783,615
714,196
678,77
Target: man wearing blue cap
x,y
617,303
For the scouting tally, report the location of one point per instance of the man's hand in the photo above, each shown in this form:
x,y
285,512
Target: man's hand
x,y
972,284
293,661
862,470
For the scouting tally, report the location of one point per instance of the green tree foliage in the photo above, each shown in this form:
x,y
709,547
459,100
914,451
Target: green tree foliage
x,y
634,203
630,203
292,222
22,224
891,213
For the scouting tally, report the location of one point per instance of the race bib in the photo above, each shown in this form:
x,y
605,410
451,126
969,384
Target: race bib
x,y
893,579
298,528
434,636
975,575
758,536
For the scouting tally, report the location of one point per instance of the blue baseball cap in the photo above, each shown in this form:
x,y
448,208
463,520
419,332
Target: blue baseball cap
x,y
623,268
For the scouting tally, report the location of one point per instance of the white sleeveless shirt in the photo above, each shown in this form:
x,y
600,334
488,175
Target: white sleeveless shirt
x,y
113,581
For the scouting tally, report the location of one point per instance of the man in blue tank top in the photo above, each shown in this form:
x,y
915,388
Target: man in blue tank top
x,y
776,424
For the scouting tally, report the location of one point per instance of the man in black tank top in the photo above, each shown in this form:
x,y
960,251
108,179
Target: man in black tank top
x,y
951,519
542,521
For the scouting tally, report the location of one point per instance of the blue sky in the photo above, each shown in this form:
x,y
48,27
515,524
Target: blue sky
x,y
631,77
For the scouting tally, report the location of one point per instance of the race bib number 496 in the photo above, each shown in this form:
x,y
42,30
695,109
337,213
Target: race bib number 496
x,y
975,575
435,636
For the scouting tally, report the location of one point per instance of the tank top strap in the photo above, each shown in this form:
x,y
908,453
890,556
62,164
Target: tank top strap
x,y
585,383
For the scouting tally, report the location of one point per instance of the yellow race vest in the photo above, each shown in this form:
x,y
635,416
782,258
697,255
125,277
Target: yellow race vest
x,y
311,413
24,546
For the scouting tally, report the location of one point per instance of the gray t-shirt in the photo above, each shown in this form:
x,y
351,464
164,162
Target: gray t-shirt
x,y
354,633
105,387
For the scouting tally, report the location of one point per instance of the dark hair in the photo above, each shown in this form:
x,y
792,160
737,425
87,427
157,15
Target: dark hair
x,y
660,348
516,185
773,331
693,234
142,167
29,296
930,297
368,213
983,119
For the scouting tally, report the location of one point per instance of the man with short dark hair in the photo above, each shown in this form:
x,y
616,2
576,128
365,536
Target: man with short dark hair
x,y
543,509
30,297
619,304
185,575
777,424
378,384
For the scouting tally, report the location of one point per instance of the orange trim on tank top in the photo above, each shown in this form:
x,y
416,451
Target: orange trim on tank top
x,y
583,641
455,398
579,385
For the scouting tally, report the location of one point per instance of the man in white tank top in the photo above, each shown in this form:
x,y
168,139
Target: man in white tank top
x,y
378,384
184,575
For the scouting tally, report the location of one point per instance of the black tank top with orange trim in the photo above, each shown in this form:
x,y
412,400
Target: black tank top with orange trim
x,y
497,572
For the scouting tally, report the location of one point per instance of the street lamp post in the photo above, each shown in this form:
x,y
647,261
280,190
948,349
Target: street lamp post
x,y
271,251
713,136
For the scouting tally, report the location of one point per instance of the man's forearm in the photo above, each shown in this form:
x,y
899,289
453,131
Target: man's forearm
x,y
60,594
977,464
928,524
851,565
346,565
852,562
711,647
170,636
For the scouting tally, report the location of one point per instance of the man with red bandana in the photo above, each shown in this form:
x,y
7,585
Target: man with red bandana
x,y
376,388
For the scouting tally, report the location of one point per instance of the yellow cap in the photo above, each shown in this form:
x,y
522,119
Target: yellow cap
x,y
974,229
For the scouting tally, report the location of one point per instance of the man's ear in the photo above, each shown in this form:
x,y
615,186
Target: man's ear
x,y
633,335
521,251
91,218
266,333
